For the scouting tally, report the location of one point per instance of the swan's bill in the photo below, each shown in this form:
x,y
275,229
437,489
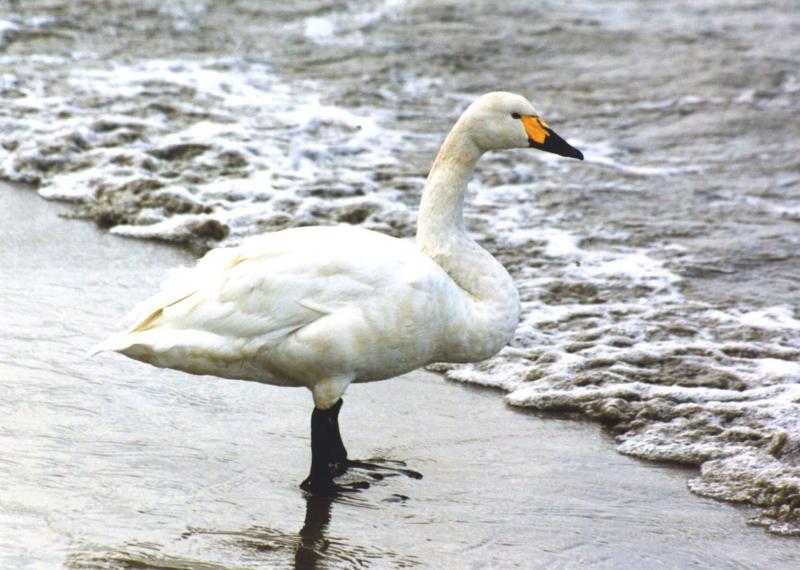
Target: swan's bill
x,y
544,138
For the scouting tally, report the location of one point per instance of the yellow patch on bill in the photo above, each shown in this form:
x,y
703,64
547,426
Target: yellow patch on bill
x,y
535,128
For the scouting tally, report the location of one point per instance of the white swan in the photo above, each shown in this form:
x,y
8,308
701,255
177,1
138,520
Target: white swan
x,y
322,307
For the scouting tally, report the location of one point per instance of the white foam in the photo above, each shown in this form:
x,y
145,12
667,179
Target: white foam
x,y
771,318
70,186
310,143
176,228
776,370
636,267
183,14
346,26
319,29
7,27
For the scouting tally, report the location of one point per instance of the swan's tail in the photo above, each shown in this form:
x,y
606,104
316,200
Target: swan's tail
x,y
115,343
181,284
145,316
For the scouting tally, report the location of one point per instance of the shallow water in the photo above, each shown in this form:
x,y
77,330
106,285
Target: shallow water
x,y
659,278
108,463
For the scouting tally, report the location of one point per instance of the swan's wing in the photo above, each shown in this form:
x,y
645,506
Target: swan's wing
x,y
180,284
281,286
274,285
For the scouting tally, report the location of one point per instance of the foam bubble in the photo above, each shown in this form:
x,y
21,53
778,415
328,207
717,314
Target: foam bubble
x,y
771,318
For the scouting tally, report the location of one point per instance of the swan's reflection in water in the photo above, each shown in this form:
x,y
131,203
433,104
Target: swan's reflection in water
x,y
316,548
312,536
257,546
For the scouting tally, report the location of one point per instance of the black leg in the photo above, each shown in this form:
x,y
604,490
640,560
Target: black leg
x,y
328,454
330,424
329,457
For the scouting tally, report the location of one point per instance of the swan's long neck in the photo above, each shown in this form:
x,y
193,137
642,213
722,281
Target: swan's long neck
x,y
491,306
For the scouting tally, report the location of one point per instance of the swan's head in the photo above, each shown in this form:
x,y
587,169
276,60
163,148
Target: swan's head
x,y
501,120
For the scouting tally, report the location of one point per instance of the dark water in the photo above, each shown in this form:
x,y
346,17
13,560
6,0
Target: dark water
x,y
111,464
659,277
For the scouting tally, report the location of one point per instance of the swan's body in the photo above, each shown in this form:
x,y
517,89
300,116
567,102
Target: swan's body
x,y
322,307
318,307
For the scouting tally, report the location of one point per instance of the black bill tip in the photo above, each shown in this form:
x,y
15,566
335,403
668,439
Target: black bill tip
x,y
555,144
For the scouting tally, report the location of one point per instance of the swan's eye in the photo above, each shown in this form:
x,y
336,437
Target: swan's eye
x,y
516,116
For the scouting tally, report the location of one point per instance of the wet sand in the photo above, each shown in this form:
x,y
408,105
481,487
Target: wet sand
x,y
108,463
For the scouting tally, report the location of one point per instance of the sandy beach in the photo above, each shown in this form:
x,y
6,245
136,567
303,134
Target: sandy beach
x,y
108,463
